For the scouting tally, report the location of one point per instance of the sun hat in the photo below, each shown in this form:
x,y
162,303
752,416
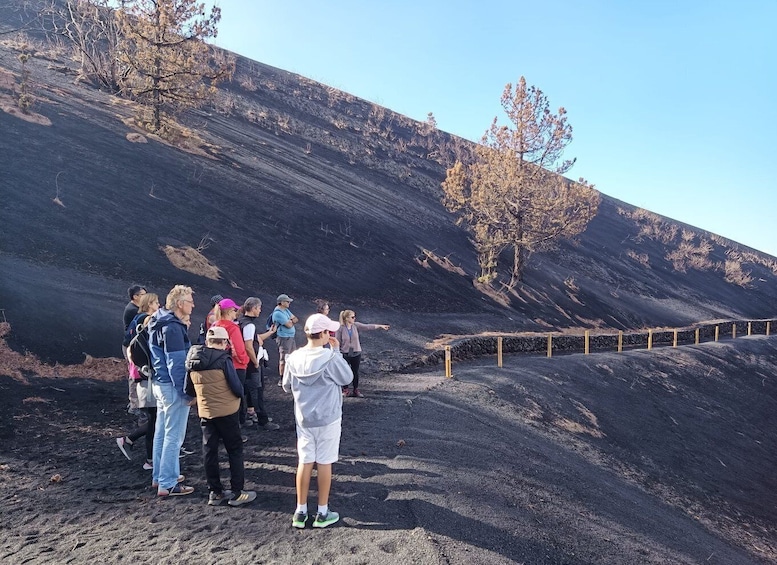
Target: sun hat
x,y
318,323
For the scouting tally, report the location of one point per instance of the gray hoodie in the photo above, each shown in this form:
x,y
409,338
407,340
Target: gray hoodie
x,y
315,376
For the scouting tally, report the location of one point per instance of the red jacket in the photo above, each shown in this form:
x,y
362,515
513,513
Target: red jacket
x,y
239,356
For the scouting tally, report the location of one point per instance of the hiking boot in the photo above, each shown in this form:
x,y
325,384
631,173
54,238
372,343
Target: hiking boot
x,y
324,520
177,490
270,427
244,497
216,498
148,465
124,444
299,520
357,393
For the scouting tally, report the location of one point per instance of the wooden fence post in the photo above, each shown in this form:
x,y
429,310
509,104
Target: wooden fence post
x,y
749,329
768,326
550,346
674,343
698,332
499,351
733,331
620,341
448,361
587,342
717,332
650,340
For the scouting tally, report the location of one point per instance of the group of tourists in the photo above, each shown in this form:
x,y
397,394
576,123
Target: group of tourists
x,y
223,375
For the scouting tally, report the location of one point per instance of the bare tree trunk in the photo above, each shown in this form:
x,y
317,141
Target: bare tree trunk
x,y
519,260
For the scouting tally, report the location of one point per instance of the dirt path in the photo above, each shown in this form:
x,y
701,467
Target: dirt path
x,y
534,463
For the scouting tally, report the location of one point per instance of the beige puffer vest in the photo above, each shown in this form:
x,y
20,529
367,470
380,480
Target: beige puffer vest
x,y
214,397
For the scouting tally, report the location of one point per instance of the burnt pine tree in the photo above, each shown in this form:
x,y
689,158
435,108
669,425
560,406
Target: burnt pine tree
x,y
163,42
511,193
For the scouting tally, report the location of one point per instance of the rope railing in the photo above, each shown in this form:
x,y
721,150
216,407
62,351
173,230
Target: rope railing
x,y
588,341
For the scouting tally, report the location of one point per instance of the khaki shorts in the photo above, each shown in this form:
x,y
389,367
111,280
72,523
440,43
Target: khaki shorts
x,y
319,445
286,345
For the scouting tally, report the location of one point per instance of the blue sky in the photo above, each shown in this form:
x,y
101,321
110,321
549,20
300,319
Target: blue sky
x,y
673,103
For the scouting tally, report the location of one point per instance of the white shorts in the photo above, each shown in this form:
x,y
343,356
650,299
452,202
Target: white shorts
x,y
319,445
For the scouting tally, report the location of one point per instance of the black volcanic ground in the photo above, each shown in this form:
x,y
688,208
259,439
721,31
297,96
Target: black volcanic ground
x,y
291,186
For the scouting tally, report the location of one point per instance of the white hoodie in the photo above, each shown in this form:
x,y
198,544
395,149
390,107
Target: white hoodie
x,y
315,376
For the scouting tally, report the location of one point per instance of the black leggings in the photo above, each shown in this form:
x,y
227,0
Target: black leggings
x,y
241,374
254,389
353,362
146,429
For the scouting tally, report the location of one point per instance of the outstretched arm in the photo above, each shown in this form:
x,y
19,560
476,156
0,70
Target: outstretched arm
x,y
371,326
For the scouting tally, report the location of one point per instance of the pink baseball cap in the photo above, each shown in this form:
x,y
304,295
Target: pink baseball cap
x,y
228,303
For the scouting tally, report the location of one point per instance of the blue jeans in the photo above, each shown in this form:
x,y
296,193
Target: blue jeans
x,y
172,414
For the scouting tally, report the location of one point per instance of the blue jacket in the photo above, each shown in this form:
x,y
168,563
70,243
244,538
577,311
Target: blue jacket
x,y
169,344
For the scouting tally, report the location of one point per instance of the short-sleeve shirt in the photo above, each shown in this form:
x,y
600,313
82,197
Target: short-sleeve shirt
x,y
280,317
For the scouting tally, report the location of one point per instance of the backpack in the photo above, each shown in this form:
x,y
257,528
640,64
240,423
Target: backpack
x,y
129,333
269,325
139,352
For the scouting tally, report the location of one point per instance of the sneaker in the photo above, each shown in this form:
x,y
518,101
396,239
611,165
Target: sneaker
x,y
244,497
216,498
270,427
249,421
177,490
148,465
185,451
324,520
253,417
280,382
244,438
299,520
124,444
357,393
345,391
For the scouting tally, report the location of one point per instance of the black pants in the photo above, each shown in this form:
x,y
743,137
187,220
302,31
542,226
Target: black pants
x,y
353,362
146,429
255,394
226,429
241,374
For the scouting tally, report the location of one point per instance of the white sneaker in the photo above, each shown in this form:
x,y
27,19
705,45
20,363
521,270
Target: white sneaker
x,y
124,444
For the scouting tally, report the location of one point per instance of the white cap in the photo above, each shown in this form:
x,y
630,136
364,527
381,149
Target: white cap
x,y
318,323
